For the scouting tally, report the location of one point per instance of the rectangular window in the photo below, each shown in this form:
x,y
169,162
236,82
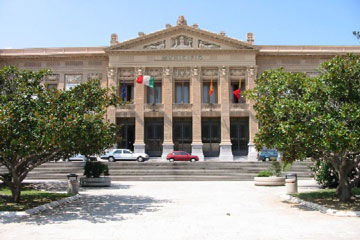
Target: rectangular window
x,y
154,94
72,80
182,92
52,86
126,91
206,97
233,98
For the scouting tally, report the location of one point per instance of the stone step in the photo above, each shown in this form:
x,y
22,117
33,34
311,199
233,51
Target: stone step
x,y
166,171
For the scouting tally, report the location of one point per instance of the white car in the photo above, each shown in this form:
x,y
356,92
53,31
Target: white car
x,y
124,154
79,157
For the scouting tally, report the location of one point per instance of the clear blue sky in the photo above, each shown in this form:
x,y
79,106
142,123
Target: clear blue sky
x,y
89,23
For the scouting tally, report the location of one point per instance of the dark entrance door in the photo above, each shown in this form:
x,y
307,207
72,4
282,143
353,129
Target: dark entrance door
x,y
126,133
182,134
211,136
239,134
154,136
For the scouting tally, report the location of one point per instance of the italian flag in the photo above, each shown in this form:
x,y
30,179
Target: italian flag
x,y
146,79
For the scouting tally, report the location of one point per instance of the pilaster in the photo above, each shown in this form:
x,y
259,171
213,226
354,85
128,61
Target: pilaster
x,y
225,145
253,123
139,145
197,146
168,145
111,83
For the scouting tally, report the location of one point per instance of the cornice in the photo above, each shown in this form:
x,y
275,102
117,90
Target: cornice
x,y
180,51
53,52
265,50
180,28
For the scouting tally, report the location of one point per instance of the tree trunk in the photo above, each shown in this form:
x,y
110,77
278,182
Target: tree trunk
x,y
343,191
15,191
15,186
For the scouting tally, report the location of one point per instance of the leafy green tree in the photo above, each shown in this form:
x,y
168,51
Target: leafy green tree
x,y
313,117
38,125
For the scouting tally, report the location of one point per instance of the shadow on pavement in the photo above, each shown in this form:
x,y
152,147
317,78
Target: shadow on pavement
x,y
95,209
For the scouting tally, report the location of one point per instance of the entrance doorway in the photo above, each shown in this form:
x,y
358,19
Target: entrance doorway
x,y
211,136
154,136
239,134
126,133
182,134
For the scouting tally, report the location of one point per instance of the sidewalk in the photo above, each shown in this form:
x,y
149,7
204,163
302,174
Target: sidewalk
x,y
183,210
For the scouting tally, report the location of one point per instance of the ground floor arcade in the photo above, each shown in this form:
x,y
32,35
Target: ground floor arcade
x,y
182,136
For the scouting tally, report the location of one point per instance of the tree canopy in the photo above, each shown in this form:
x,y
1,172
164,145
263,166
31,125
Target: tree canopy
x,y
316,117
38,124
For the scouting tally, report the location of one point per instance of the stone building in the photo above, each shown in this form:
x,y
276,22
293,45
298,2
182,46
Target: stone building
x,y
178,113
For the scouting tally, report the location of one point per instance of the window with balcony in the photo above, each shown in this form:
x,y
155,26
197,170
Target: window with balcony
x,y
182,92
154,94
206,93
126,92
235,86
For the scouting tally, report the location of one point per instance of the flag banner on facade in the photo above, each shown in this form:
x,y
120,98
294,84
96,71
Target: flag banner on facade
x,y
139,79
146,79
211,90
237,92
123,91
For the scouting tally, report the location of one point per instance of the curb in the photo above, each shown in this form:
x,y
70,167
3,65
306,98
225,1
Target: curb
x,y
41,208
320,208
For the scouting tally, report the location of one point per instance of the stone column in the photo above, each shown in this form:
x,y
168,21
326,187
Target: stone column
x,y
167,93
224,91
253,124
139,145
111,111
197,146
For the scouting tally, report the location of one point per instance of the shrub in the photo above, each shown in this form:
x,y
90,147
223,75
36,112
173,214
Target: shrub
x,y
325,174
95,169
275,169
265,173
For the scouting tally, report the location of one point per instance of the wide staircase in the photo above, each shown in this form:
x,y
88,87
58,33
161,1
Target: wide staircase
x,y
165,171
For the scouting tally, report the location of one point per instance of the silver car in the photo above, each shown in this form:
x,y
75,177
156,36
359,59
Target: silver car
x,y
124,154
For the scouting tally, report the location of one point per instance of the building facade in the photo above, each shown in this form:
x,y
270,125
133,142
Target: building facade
x,y
185,61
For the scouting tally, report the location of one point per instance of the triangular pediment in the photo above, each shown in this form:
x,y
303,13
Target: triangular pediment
x,y
179,38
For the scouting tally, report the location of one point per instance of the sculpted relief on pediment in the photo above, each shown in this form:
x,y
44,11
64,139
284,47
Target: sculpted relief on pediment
x,y
157,45
182,42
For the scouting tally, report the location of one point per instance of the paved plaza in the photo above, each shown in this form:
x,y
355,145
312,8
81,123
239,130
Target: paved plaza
x,y
181,210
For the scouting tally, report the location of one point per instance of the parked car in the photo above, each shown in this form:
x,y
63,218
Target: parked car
x,y
124,154
79,157
268,154
181,156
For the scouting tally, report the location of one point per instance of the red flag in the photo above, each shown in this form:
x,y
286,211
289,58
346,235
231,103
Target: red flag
x,y
211,90
237,93
139,79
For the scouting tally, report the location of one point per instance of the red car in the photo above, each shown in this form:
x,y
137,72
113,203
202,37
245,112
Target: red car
x,y
181,156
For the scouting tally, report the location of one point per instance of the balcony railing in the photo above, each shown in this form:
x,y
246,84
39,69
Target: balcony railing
x,y
182,107
210,107
151,107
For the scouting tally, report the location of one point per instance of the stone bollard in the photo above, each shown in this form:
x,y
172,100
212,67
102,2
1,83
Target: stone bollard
x,y
73,184
291,183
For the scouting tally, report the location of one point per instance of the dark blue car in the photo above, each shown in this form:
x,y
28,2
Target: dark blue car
x,y
268,155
